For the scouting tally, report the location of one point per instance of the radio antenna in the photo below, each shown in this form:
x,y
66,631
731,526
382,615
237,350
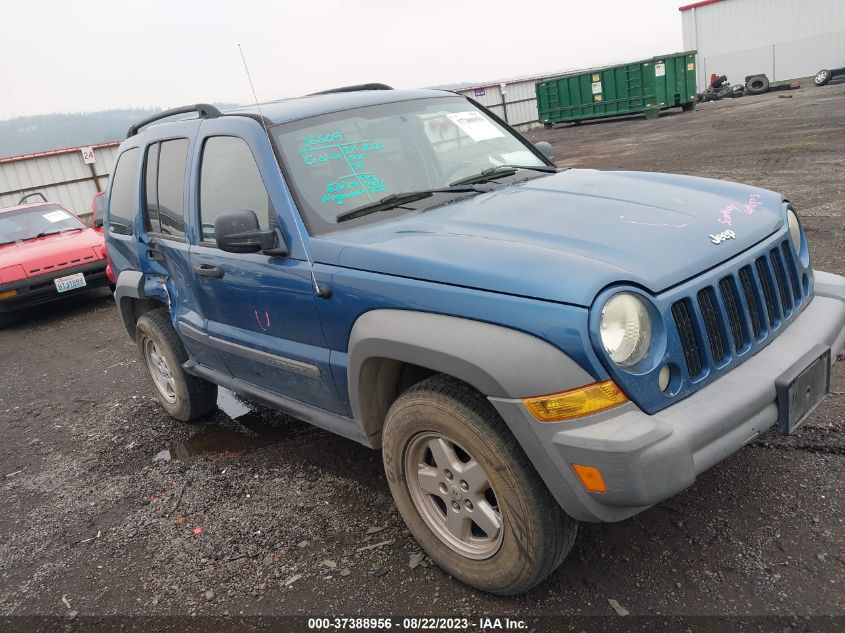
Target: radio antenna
x,y
321,291
252,87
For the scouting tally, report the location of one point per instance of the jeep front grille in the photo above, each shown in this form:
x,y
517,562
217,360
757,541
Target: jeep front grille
x,y
682,311
718,321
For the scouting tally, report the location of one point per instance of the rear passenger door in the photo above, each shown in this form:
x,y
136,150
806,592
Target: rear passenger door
x,y
260,310
122,211
164,249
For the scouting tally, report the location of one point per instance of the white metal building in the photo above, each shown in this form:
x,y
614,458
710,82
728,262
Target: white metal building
x,y
785,39
515,101
62,175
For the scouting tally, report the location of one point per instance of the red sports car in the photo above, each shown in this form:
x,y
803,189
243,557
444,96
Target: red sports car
x,y
46,253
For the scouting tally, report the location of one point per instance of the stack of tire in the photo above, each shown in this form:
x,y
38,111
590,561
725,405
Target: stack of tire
x,y
719,89
823,77
756,84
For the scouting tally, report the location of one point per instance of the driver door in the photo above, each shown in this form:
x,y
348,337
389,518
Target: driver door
x,y
260,310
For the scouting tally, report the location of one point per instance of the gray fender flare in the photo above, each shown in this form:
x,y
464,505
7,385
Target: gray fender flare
x,y
497,361
130,285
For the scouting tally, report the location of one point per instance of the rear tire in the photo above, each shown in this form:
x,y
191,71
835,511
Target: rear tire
x,y
183,396
467,491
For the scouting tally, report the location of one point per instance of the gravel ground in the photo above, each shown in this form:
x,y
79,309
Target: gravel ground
x,y
109,507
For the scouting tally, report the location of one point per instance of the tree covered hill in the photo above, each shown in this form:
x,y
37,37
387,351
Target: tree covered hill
x,y
26,134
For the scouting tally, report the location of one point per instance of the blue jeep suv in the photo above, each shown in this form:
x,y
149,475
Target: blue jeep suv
x,y
529,347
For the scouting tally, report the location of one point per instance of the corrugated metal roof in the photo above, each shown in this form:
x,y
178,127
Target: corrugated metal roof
x,y
54,152
695,5
61,175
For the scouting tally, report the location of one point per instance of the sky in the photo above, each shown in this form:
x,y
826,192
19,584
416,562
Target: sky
x,y
87,55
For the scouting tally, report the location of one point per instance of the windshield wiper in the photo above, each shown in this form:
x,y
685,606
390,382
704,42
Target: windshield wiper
x,y
398,199
48,233
10,242
501,171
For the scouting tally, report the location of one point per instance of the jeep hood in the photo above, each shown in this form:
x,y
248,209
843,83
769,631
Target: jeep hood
x,y
566,236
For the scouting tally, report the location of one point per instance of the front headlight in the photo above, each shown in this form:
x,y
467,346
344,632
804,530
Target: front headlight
x,y
794,229
625,329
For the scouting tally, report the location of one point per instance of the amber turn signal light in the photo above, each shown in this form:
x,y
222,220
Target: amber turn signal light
x,y
590,477
8,294
576,402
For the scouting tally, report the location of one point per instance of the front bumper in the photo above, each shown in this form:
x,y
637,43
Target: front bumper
x,y
648,458
34,291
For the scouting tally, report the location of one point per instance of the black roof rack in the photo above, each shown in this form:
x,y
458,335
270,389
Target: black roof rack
x,y
355,88
203,110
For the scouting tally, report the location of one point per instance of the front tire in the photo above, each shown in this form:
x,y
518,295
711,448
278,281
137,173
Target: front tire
x,y
183,396
467,491
6,319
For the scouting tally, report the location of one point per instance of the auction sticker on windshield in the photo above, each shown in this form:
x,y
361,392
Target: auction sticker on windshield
x,y
475,125
71,282
55,216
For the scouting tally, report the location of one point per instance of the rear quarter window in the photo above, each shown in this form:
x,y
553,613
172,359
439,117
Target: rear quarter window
x,y
164,208
122,207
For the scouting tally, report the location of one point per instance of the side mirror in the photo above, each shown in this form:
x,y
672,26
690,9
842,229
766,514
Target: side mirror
x,y
546,149
240,232
98,223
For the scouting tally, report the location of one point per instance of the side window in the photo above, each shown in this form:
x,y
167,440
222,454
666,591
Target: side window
x,y
165,188
122,200
171,186
230,181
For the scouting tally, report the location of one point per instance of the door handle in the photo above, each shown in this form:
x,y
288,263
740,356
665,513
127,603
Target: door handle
x,y
208,270
156,256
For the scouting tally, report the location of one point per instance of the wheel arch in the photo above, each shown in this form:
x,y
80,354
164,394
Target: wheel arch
x,y
390,350
132,301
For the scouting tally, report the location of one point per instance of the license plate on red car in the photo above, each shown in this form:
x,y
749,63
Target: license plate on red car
x,y
802,388
71,282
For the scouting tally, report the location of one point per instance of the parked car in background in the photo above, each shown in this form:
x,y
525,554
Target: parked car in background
x,y
46,254
98,215
529,347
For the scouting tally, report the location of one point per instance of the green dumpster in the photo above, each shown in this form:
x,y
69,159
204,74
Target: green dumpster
x,y
647,86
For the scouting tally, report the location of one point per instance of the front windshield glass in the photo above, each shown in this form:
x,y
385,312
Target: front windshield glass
x,y
345,160
34,222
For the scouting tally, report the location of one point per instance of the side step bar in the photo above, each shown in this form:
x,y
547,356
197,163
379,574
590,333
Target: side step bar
x,y
343,426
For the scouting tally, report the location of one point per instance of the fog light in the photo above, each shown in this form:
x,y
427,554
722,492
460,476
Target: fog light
x,y
8,294
664,377
575,402
590,477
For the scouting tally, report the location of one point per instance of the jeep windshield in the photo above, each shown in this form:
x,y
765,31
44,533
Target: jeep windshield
x,y
394,158
36,222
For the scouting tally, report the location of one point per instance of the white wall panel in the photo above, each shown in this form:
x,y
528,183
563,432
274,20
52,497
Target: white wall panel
x,y
62,176
806,57
521,101
738,64
802,37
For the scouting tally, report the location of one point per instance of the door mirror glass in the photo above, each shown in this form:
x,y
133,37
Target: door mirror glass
x,y
546,149
240,232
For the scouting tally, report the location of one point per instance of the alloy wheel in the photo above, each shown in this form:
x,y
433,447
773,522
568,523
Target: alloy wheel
x,y
160,371
453,495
